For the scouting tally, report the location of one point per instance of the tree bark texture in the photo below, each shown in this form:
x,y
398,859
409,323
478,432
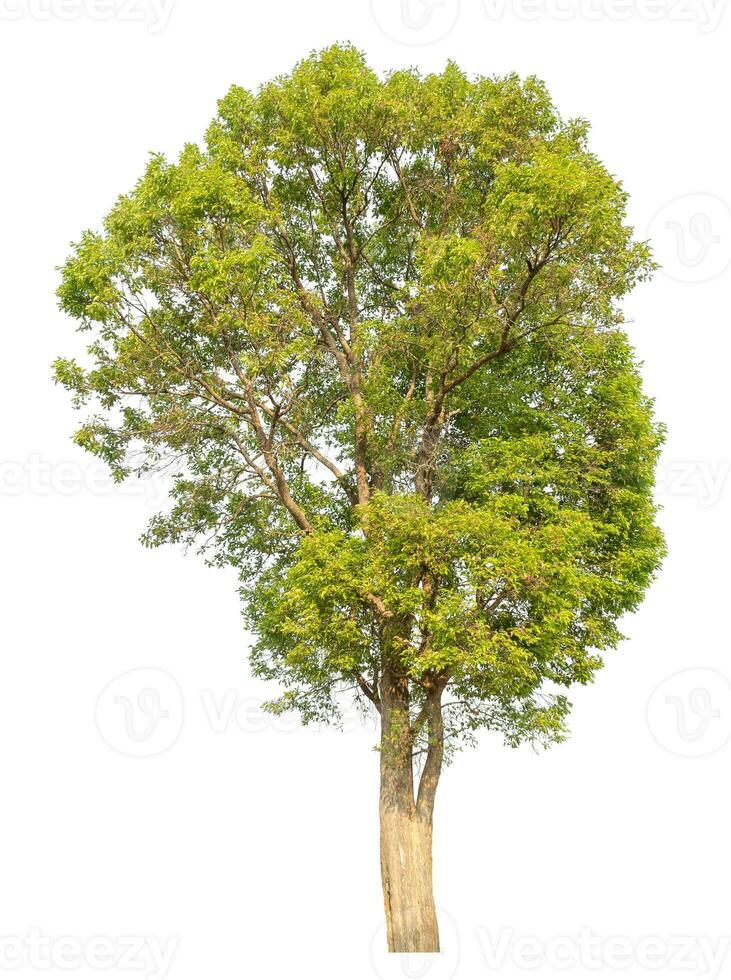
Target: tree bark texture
x,y
406,822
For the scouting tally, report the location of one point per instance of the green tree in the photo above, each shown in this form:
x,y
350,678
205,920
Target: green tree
x,y
373,327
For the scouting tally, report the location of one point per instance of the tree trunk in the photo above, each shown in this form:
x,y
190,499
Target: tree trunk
x,y
406,875
406,827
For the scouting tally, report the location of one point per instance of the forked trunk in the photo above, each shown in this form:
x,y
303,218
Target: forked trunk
x,y
406,826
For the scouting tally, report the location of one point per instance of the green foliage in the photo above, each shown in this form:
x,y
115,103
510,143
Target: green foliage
x,y
373,329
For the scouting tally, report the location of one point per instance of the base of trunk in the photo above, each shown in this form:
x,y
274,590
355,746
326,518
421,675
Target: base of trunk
x,y
406,873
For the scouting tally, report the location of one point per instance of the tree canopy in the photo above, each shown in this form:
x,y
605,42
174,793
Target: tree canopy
x,y
372,327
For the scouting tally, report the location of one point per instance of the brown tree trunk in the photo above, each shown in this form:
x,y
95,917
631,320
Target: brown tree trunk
x,y
406,875
406,825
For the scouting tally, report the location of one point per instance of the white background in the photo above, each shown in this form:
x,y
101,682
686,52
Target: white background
x,y
247,847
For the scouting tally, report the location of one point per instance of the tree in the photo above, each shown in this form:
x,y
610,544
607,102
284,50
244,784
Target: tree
x,y
373,328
